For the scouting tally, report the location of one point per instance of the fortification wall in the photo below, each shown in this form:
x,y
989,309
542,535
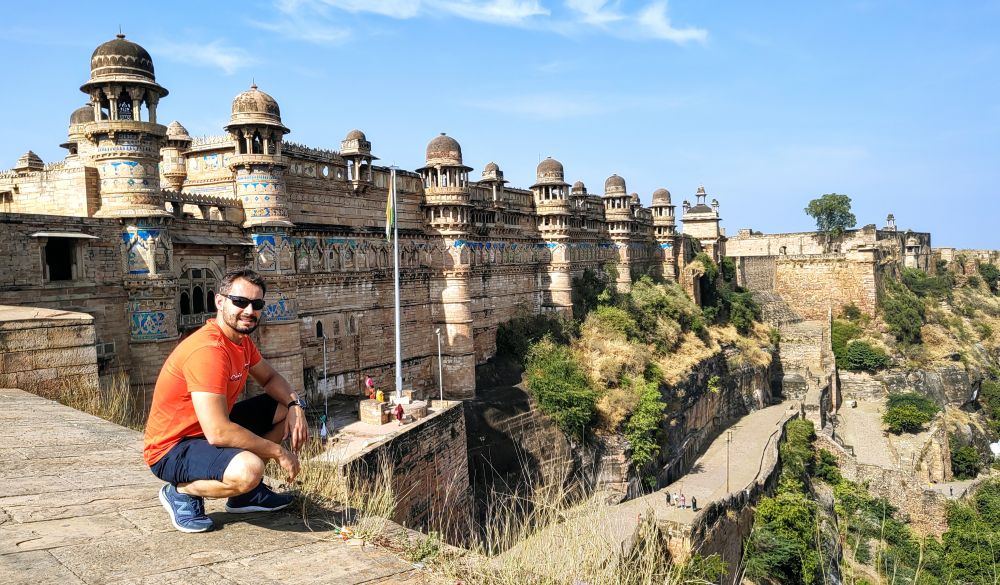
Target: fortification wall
x,y
47,351
65,188
925,509
430,472
813,284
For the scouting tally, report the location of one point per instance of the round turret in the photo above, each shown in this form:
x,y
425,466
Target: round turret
x,y
661,197
615,185
257,108
356,135
579,188
634,198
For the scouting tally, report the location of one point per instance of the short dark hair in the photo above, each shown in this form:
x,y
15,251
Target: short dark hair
x,y
251,276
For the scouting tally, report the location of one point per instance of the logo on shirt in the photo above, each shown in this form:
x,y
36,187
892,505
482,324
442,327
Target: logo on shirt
x,y
239,375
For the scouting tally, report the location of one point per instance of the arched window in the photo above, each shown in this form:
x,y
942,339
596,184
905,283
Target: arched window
x,y
319,329
185,303
257,147
199,299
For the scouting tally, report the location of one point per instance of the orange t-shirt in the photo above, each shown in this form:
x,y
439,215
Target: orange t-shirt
x,y
207,361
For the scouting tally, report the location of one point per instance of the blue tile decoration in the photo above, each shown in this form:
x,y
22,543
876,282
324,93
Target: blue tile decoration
x,y
149,326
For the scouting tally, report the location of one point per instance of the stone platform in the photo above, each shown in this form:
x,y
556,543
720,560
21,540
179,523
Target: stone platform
x,y
78,505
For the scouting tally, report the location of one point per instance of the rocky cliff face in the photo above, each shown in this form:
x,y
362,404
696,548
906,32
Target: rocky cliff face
x,y
513,446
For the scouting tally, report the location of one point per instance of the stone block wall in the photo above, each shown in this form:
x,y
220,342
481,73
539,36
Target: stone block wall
x,y
430,472
63,188
47,351
926,509
813,284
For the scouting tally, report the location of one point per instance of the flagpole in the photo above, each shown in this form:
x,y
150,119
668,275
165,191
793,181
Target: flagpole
x,y
395,278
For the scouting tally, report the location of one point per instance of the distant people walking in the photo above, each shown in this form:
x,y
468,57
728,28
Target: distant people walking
x,y
668,498
677,499
398,412
694,504
682,501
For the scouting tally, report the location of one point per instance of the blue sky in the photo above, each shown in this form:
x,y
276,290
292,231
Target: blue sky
x,y
768,105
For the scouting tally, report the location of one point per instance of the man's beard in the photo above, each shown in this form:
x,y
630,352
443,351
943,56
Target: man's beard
x,y
241,323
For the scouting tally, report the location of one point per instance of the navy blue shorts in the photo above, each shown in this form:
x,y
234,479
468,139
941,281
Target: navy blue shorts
x,y
194,458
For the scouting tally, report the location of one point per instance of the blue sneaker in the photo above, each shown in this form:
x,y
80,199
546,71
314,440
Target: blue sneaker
x,y
187,513
259,499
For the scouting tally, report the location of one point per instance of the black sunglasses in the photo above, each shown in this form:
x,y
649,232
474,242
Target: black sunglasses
x,y
242,302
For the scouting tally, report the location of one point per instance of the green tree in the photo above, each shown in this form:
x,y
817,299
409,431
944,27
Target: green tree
x,y
832,213
990,274
556,380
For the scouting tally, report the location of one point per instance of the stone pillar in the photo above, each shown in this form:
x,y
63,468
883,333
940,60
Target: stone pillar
x,y
261,188
128,165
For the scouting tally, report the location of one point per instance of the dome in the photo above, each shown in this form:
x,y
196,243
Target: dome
x,y
82,115
121,57
256,107
177,132
353,134
615,185
444,150
491,167
579,187
121,61
661,196
634,197
550,172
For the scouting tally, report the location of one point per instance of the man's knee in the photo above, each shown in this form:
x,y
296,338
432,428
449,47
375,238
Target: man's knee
x,y
244,472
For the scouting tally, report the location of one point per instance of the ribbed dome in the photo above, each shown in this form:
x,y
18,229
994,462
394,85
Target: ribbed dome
x,y
177,132
356,135
661,196
256,107
82,115
444,150
615,185
121,57
550,172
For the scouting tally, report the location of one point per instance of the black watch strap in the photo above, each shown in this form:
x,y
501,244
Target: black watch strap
x,y
296,402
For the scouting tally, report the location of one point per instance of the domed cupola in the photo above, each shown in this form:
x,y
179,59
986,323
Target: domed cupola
x,y
254,107
615,185
552,200
444,151
663,215
661,197
173,165
177,132
579,188
357,150
123,139
255,126
82,115
446,187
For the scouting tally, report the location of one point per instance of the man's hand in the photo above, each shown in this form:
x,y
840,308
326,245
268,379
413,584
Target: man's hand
x,y
296,427
289,462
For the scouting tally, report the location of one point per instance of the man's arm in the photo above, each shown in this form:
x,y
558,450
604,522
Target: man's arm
x,y
277,387
221,432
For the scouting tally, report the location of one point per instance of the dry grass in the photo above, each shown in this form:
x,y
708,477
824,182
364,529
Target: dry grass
x,y
607,357
691,351
112,400
332,495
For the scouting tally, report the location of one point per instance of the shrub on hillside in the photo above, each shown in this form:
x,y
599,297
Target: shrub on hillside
x,y
555,379
587,290
841,332
649,303
965,463
851,312
928,286
973,281
826,468
515,337
903,312
643,428
908,412
862,356
743,311
991,276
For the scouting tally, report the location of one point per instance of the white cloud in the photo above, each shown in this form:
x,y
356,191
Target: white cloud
x,y
217,53
654,20
498,11
391,8
595,12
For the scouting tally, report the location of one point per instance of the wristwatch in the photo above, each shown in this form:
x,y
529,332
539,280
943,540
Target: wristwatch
x,y
296,402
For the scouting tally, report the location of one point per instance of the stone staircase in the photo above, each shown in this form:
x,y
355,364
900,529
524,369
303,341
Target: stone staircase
x,y
774,309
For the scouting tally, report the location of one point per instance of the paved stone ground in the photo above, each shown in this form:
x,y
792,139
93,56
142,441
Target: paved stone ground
x,y
861,428
78,505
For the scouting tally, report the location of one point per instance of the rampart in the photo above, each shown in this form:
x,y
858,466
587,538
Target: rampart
x,y
430,472
47,351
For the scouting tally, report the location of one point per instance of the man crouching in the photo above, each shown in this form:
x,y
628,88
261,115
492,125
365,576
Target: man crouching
x,y
201,441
